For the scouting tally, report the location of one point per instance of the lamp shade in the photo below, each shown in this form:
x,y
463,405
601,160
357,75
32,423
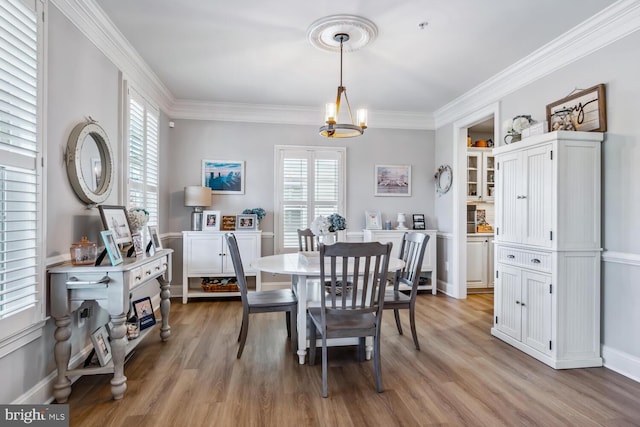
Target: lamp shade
x,y
197,196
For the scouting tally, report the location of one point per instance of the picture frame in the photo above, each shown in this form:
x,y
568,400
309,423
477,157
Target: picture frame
x,y
211,221
156,243
584,110
100,341
246,221
143,310
393,180
115,256
116,220
418,222
373,220
228,223
138,245
223,176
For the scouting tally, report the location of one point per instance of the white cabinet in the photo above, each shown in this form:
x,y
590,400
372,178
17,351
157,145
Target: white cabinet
x,y
429,266
480,174
479,262
547,248
205,254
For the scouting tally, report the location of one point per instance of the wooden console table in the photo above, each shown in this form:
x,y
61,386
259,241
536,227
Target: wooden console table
x,y
109,286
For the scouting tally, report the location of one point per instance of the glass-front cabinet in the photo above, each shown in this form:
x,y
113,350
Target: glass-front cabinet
x,y
480,174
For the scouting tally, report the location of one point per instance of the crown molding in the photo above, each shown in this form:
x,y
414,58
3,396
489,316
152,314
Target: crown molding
x,y
613,23
91,20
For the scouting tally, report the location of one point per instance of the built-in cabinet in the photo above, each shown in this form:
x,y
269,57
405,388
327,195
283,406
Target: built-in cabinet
x,y
547,247
479,262
429,266
480,174
206,254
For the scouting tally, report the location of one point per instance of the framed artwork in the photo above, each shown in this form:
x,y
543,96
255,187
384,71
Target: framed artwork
x,y
100,340
155,238
111,246
223,176
228,222
392,180
211,221
138,245
373,220
418,222
115,219
585,110
144,312
246,222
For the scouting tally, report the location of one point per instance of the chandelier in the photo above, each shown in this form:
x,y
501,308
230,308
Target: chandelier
x,y
333,129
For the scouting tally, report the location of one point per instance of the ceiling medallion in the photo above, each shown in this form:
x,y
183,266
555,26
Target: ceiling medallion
x,y
361,31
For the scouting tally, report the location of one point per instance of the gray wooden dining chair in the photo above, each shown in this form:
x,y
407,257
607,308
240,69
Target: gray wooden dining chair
x,y
261,301
354,310
405,284
306,240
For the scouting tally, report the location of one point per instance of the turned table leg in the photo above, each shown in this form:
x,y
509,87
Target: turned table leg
x,y
118,343
62,354
165,305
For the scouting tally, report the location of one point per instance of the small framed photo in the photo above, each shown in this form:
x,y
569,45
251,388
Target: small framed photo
x,y
155,238
112,247
246,222
144,312
115,219
373,220
228,222
393,180
138,245
211,221
223,176
100,340
418,222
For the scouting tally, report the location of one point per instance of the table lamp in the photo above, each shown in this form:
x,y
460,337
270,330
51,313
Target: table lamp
x,y
197,197
401,219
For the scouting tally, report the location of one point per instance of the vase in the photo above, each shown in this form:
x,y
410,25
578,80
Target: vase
x,y
327,238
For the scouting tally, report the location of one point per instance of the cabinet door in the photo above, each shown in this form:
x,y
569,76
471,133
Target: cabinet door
x,y
508,298
537,196
476,262
508,215
488,176
474,176
248,248
536,311
204,253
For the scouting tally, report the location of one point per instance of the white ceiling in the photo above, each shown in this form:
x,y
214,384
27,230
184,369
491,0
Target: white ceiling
x,y
257,52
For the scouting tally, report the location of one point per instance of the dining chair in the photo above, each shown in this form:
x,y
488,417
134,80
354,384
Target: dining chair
x,y
306,240
355,310
260,301
407,280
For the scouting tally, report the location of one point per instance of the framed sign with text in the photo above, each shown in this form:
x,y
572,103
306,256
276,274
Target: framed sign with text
x,y
584,110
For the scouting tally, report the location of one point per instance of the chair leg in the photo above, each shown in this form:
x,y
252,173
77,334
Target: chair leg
x,y
288,315
294,330
396,314
325,367
376,362
241,327
312,343
362,349
412,320
243,333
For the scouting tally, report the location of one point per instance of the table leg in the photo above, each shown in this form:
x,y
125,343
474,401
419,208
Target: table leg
x,y
165,305
301,283
62,354
118,343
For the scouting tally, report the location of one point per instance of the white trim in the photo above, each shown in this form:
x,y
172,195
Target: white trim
x,y
623,363
22,338
621,258
613,23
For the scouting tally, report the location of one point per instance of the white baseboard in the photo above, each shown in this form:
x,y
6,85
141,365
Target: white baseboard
x,y
446,288
623,363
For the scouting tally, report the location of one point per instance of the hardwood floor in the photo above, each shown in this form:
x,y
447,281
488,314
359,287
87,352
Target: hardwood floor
x,y
462,376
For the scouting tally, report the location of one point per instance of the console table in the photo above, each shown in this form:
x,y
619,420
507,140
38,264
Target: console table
x,y
109,286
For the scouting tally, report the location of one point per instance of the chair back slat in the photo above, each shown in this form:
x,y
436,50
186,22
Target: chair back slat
x,y
306,240
412,253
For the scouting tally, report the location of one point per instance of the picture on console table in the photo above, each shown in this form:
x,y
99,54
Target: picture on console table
x,y
223,176
393,180
246,222
115,219
418,222
144,312
100,340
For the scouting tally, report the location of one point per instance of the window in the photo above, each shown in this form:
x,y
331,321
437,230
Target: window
x,y
21,231
310,181
143,156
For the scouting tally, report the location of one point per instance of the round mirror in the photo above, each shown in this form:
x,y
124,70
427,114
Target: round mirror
x,y
89,162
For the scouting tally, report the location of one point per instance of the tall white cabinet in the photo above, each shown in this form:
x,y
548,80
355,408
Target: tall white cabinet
x,y
548,249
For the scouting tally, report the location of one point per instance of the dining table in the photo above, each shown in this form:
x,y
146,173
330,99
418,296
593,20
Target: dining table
x,y
304,268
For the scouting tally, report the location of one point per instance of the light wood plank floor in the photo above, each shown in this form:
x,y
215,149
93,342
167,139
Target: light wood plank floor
x,y
462,376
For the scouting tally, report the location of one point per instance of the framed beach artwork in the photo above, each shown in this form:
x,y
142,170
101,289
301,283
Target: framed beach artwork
x,y
393,180
115,219
223,176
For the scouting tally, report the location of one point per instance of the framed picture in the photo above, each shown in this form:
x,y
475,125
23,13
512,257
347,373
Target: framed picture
x,y
246,222
392,180
373,220
585,110
211,221
138,245
418,222
115,219
228,222
155,238
223,176
144,312
111,246
100,340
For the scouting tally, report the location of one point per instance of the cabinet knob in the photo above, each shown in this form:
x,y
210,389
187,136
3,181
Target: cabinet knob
x,y
522,304
511,256
518,302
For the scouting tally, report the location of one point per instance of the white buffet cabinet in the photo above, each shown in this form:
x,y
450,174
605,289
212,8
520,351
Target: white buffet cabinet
x,y
206,254
429,265
547,248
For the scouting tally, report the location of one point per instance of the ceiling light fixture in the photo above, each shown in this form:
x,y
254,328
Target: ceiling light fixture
x,y
333,129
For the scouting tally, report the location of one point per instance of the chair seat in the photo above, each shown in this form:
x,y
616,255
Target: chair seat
x,y
275,298
343,325
392,298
